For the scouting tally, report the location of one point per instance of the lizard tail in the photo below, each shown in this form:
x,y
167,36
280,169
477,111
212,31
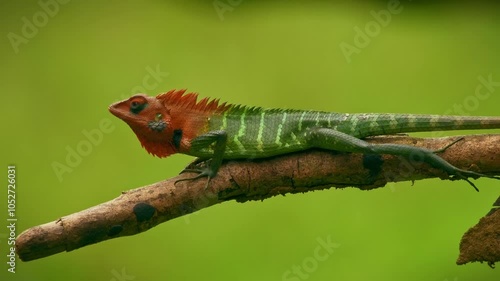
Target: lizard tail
x,y
370,124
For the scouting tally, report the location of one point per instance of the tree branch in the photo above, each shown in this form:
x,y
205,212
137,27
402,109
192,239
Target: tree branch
x,y
140,209
482,242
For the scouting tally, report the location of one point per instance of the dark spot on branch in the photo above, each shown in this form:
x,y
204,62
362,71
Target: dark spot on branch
x,y
186,209
91,236
373,162
115,229
143,211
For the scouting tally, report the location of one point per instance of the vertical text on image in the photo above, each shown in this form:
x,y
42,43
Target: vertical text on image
x,y
11,220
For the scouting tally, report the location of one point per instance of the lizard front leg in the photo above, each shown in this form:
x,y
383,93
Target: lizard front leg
x,y
334,140
217,140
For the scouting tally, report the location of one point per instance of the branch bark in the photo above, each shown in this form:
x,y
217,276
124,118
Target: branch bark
x,y
140,209
482,242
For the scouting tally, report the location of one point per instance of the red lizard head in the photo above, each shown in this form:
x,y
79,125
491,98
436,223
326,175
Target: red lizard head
x,y
165,124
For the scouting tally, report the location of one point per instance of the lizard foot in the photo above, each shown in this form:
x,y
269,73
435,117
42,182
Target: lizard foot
x,y
202,172
465,175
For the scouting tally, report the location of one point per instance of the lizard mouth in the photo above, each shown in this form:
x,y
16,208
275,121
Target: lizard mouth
x,y
114,110
117,110
133,120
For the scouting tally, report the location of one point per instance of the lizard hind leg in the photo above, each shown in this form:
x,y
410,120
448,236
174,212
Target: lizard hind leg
x,y
334,140
429,157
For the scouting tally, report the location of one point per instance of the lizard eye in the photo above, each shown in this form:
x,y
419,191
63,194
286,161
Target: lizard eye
x,y
137,106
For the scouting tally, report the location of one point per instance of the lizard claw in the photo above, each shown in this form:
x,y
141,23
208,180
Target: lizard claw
x,y
192,167
465,175
205,172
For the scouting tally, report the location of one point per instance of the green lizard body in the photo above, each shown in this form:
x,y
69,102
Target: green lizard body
x,y
260,133
177,123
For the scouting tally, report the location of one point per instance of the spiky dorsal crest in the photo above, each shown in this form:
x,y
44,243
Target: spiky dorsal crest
x,y
188,101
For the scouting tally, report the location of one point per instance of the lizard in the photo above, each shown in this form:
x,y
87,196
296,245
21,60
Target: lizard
x,y
177,122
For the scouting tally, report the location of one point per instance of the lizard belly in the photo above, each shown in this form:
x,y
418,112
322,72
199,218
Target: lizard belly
x,y
235,150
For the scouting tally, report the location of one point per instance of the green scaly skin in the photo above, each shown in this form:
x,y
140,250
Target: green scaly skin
x,y
244,132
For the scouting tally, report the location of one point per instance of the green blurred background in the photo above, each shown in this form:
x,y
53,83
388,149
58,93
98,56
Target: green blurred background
x,y
59,76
